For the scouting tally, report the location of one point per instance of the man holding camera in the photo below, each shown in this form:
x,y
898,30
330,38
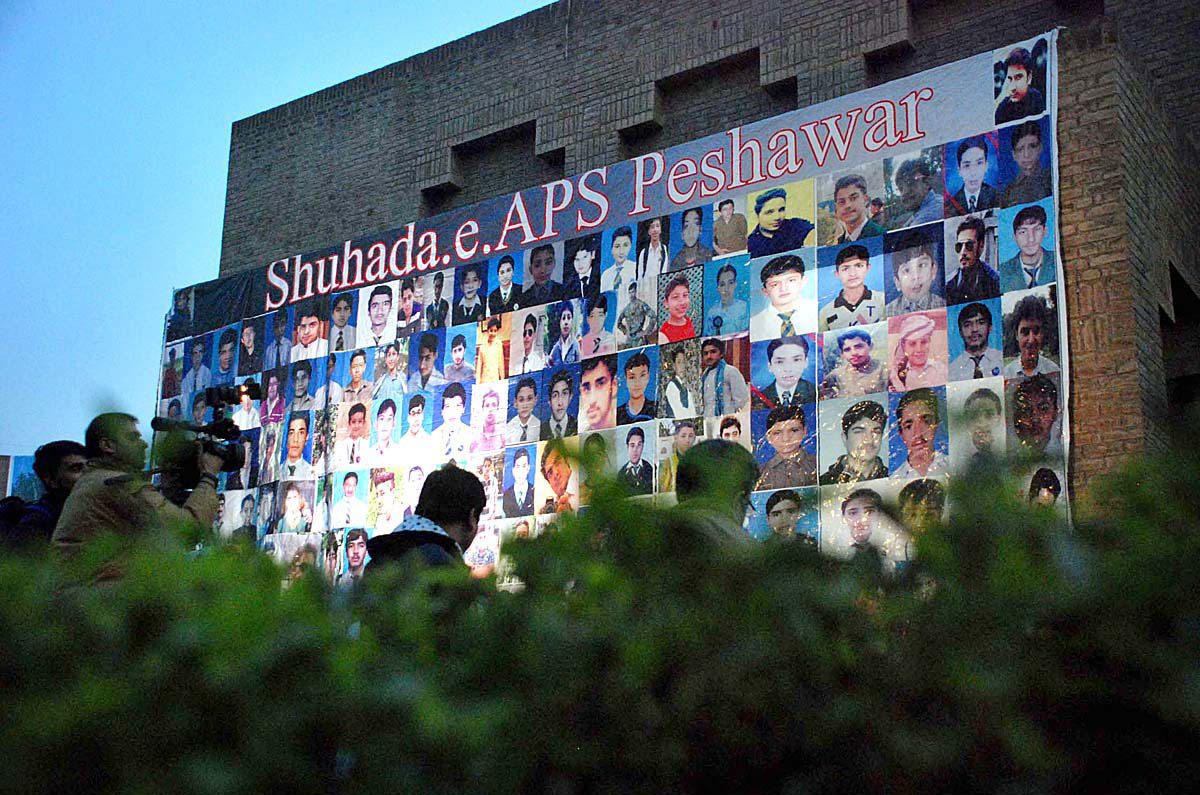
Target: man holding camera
x,y
113,495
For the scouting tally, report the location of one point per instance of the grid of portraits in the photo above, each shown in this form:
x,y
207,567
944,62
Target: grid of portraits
x,y
867,334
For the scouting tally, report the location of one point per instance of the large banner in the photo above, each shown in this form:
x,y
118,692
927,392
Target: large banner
x,y
864,293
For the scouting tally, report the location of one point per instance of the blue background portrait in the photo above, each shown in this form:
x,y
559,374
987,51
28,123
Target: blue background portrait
x,y
215,354
706,221
402,423
1008,243
610,318
606,255
543,406
897,451
651,387
460,271
360,489
414,351
806,521
510,453
492,276
341,370
512,395
206,360
894,241
283,443
761,376
954,180
468,330
828,285
554,330
315,381
1009,169
269,330
436,403
955,338
352,295
758,299
741,291
763,451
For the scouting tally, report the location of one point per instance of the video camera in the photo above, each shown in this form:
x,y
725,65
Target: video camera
x,y
176,452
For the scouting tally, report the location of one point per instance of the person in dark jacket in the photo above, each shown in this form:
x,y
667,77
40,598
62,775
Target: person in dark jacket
x,y
442,527
59,465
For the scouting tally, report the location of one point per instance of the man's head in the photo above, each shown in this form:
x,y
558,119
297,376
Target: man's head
x,y
520,466
783,511
918,418
439,283
541,263
684,436
1044,487
248,510
529,332
472,280
379,306
454,403
972,163
851,266
279,324
561,387
1027,146
855,346
1030,321
678,297
782,281
1035,411
427,351
356,549
385,487
1029,230
182,298
199,406
505,270
862,430
582,253
565,313
490,402
458,349
637,375
850,200
771,208
622,242
391,357
731,429
349,484
725,208
357,421
787,359
975,326
691,221
59,465
913,265
308,322
416,412
860,513
921,503
198,350
914,179
598,391
786,429
297,436
525,397
635,443
981,410
1018,73
597,313
719,473
915,337
492,325
248,337
343,305
712,351
726,283
115,438
301,375
174,409
969,243
556,467
358,366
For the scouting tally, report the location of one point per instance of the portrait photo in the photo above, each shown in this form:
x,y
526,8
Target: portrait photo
x,y
783,295
294,507
674,439
691,238
653,252
439,296
679,384
278,342
491,363
377,314
452,433
505,279
1033,410
918,350
598,324
520,466
385,437
636,323
350,493
637,385
459,364
974,333
598,393
918,433
784,371
251,353
618,259
523,423
343,320
680,305
1019,74
853,521
597,462
972,174
853,440
977,424
410,314
385,500
425,356
1027,235
564,323
412,418
634,457
312,323
270,442
781,219
850,284
855,361
972,248
470,293
390,376
1025,162
844,204
785,446
172,370
725,374
730,427
912,278
557,484
727,295
542,276
730,227
1031,338
526,350
224,360
488,408
913,188
559,404
352,434
785,515
581,267
197,375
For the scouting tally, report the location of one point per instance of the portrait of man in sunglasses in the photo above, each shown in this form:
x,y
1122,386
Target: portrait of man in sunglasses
x,y
975,280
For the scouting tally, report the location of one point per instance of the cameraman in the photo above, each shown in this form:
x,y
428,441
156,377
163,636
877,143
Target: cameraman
x,y
114,496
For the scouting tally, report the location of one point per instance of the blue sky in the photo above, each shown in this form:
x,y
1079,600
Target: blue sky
x,y
115,130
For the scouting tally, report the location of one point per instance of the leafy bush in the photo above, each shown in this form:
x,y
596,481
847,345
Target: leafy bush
x,y
1020,656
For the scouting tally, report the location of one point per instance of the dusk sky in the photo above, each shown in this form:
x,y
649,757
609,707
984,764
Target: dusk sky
x,y
115,151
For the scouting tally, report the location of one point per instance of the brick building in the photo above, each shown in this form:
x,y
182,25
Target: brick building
x,y
577,85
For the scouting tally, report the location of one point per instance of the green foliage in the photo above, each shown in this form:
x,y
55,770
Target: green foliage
x,y
1021,656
